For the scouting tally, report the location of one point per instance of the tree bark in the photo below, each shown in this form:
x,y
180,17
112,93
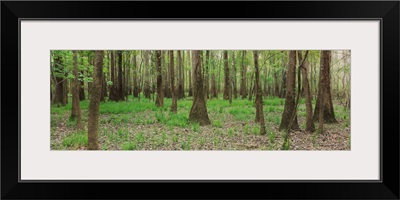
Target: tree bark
x,y
226,72
307,92
60,85
233,77
289,108
180,79
172,80
147,75
198,112
321,88
207,76
93,143
243,73
258,101
76,108
160,94
329,115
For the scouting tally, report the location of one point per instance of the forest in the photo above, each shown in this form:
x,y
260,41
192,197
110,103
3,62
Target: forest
x,y
200,99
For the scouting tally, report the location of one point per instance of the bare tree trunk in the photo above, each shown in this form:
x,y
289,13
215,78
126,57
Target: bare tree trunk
x,y
329,115
233,75
226,72
306,87
243,86
180,80
120,95
160,94
206,76
258,102
172,76
320,98
76,108
147,75
93,117
289,108
198,112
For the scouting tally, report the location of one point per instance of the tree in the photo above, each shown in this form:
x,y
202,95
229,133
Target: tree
x,y
227,82
198,112
307,93
95,92
60,97
147,75
174,106
113,88
181,93
160,94
243,73
120,94
233,75
207,76
329,115
76,108
289,108
258,101
321,92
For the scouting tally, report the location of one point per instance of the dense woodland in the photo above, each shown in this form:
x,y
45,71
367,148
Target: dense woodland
x,y
200,100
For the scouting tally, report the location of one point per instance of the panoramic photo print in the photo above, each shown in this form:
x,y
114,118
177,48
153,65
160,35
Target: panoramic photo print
x,y
200,100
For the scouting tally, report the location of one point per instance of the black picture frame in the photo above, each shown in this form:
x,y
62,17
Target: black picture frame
x,y
386,11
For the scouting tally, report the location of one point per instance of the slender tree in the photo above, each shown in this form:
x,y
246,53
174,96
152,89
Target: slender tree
x,y
307,93
160,94
233,75
289,108
181,93
258,102
76,108
198,112
172,80
243,73
226,71
147,75
93,143
321,92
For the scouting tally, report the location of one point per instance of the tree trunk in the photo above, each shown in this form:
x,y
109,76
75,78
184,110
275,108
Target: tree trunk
x,y
283,85
93,143
329,115
120,93
233,75
147,75
113,88
258,102
135,78
160,94
226,72
243,73
60,84
172,80
82,89
306,87
251,87
320,98
289,109
198,112
180,79
207,76
76,108
276,89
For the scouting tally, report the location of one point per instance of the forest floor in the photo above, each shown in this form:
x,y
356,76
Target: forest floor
x,y
140,125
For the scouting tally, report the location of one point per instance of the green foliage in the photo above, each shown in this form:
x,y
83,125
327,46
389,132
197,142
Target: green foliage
x,y
196,127
217,123
129,146
75,140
